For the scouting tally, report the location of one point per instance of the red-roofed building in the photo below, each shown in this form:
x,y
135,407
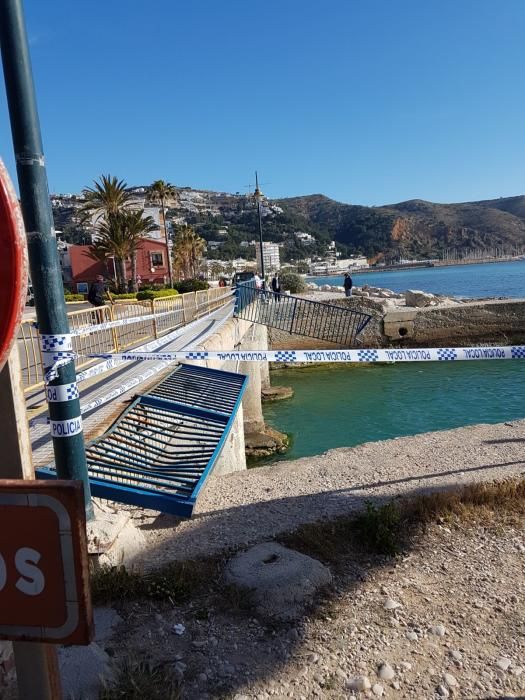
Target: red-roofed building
x,y
78,269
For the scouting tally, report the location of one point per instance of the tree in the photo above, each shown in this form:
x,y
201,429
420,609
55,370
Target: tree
x,y
159,191
119,236
188,251
107,197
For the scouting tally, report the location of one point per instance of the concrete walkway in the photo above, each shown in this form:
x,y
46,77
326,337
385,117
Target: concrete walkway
x,y
248,507
97,420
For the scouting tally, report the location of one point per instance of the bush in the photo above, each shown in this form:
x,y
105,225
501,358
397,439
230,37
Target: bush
x,y
74,297
155,294
191,286
127,295
292,282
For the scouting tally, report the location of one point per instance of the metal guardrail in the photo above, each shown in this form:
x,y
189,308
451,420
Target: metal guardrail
x,y
315,319
160,451
170,313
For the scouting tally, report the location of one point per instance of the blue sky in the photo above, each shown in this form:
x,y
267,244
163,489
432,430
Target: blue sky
x,y
366,101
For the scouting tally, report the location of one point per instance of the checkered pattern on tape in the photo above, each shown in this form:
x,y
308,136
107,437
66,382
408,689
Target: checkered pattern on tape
x,y
72,392
285,356
518,352
447,354
55,342
367,355
197,355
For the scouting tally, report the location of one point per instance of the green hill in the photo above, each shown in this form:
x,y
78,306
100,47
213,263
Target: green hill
x,y
415,228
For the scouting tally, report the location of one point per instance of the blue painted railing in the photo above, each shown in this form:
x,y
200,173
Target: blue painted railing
x,y
160,451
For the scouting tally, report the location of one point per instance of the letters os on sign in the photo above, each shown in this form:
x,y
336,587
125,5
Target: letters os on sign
x,y
44,592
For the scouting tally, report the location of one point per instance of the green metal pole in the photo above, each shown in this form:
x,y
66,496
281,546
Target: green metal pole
x,y
64,411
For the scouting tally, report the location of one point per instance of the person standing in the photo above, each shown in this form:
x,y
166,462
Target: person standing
x,y
97,292
276,287
347,284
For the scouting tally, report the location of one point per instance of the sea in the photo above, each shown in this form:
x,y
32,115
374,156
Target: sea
x,y
348,405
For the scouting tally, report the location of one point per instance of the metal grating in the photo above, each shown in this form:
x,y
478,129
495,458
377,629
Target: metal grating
x,y
315,319
160,451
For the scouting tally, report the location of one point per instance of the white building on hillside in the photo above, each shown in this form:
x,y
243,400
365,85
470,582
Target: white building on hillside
x,y
271,257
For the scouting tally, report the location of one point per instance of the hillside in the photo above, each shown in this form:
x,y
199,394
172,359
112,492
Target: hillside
x,y
415,228
412,229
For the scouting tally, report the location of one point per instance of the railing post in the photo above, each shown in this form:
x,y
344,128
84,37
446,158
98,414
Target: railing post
x,y
114,331
293,315
155,332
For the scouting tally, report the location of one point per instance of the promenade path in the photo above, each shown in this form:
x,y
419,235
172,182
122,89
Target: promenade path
x,y
98,419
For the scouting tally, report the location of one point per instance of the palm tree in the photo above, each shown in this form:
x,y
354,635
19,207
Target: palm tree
x,y
119,236
159,191
107,197
187,252
136,227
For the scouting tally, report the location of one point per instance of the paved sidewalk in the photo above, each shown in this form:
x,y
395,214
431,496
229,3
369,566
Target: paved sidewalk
x,y
98,419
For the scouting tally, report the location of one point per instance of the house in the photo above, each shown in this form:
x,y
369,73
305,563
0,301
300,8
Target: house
x,y
78,268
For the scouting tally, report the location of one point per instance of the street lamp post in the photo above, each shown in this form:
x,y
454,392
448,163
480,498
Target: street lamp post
x,y
258,198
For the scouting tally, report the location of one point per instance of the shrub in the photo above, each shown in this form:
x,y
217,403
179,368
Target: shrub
x,y
155,294
127,295
292,282
191,286
74,297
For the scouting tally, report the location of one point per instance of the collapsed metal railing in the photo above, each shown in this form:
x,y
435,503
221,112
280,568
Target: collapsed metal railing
x,y
161,450
292,314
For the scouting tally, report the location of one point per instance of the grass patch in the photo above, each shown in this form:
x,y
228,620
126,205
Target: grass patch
x,y
388,528
175,582
141,680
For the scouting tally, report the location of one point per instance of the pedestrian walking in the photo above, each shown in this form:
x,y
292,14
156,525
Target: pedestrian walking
x,y
347,284
276,287
98,292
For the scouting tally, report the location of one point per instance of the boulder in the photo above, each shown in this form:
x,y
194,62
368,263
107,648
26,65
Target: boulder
x,y
280,580
415,297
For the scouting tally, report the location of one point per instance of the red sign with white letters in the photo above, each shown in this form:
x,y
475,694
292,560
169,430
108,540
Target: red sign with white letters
x,y
44,581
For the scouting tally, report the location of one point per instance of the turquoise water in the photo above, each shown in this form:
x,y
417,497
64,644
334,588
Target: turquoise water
x,y
346,405
488,280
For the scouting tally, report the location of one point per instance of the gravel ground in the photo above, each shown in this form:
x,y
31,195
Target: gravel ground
x,y
445,619
248,507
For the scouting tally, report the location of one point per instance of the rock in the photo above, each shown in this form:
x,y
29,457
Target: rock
x,y
415,297
202,678
263,444
281,580
450,680
391,604
503,663
82,670
412,636
456,655
276,393
358,683
443,691
378,690
105,619
406,666
386,672
438,630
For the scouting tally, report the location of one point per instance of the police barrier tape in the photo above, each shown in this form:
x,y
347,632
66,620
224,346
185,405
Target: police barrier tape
x,y
138,379
89,330
55,359
510,352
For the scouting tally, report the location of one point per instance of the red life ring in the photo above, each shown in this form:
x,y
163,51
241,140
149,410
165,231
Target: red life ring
x,y
13,265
